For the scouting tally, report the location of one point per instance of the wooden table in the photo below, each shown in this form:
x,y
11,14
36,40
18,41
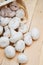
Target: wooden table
x,y
35,51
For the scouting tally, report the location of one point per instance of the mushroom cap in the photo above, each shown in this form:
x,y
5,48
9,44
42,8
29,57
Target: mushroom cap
x,y
4,42
10,52
14,23
20,13
20,46
28,39
22,58
35,33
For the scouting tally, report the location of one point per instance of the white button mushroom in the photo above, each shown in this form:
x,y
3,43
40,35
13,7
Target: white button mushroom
x,y
22,58
35,33
23,28
16,37
4,41
20,13
13,32
10,52
14,23
4,21
1,30
20,46
7,33
28,39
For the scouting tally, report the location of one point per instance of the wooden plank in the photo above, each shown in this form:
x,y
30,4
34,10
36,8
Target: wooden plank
x,y
7,61
1,55
33,52
41,57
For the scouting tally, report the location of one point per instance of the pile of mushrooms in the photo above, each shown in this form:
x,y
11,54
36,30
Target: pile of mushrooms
x,y
14,33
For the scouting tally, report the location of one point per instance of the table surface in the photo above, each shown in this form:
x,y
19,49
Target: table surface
x,y
35,51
